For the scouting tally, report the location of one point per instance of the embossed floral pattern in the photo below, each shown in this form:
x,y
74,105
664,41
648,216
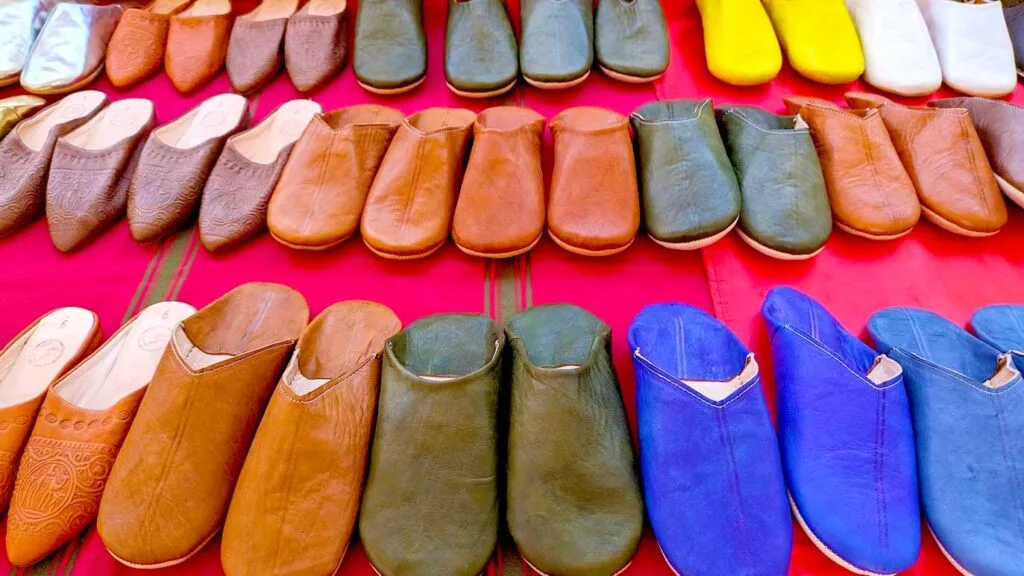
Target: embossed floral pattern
x,y
136,50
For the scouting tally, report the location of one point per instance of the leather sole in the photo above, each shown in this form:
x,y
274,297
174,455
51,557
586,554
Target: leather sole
x,y
627,78
73,87
586,252
480,95
310,247
1010,191
825,549
696,244
773,253
878,237
415,256
953,228
955,564
167,564
500,255
393,91
534,568
556,85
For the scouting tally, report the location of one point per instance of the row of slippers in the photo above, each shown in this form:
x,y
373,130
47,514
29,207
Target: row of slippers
x,y
865,441
907,47
195,39
167,414
405,184
176,425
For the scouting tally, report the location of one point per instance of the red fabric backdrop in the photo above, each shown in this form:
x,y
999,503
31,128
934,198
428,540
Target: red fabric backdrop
x,y
853,277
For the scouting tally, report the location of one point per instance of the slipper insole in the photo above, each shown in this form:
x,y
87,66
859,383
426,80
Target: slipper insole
x,y
326,7
126,363
34,131
119,121
37,359
272,10
263,143
212,119
166,7
208,8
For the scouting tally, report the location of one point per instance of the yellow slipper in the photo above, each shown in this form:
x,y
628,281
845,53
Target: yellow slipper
x,y
819,38
739,41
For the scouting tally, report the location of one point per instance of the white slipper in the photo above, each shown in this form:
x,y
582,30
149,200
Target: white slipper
x,y
898,53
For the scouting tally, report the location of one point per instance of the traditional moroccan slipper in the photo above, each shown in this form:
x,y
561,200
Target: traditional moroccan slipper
x,y
255,51
105,389
91,167
235,199
770,252
197,44
695,244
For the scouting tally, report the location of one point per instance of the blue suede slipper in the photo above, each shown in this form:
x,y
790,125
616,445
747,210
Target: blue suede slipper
x,y
968,409
710,464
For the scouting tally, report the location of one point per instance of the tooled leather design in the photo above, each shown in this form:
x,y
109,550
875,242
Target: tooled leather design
x,y
235,199
314,49
22,180
165,190
84,192
137,48
254,53
17,427
59,484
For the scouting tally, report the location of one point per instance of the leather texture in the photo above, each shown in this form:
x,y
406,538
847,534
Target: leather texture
x,y
973,44
87,188
164,193
81,424
899,56
409,209
315,48
255,53
1015,24
846,437
481,56
594,204
785,204
688,189
965,398
631,38
996,325
20,21
136,49
869,190
570,454
712,476
999,125
197,47
15,109
234,204
739,42
169,489
319,198
557,43
277,524
70,49
390,44
25,169
500,211
942,153
819,39
17,420
434,460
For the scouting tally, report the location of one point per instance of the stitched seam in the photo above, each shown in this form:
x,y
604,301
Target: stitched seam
x,y
978,186
412,184
696,116
954,374
842,362
740,518
874,169
881,503
738,394
1008,458
778,131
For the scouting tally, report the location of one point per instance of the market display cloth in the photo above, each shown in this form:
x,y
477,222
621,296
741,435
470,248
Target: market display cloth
x,y
853,277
